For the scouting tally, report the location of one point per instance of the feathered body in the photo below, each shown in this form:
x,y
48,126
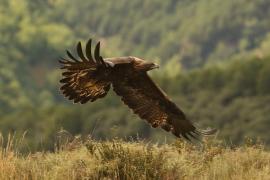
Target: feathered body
x,y
88,78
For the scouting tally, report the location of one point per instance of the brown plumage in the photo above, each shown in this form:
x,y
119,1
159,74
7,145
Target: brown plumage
x,y
87,79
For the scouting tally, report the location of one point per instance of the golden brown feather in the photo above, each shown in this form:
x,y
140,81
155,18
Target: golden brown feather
x,y
87,79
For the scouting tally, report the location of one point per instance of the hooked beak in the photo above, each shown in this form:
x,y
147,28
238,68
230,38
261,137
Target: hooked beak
x,y
154,66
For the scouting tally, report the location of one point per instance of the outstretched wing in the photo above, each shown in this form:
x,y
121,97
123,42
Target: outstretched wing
x,y
85,78
148,101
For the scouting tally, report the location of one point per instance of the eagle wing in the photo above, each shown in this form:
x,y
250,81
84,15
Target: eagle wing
x,y
148,101
85,78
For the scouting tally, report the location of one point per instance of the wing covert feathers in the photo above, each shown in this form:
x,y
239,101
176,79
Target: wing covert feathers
x,y
148,101
83,79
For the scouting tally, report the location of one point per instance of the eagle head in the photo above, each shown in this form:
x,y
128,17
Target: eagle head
x,y
142,65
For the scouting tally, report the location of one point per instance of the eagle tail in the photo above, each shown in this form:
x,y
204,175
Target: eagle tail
x,y
207,132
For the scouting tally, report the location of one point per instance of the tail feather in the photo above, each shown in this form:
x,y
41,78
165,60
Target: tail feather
x,y
207,132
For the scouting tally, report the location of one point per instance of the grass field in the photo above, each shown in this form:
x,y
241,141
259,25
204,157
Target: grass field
x,y
83,158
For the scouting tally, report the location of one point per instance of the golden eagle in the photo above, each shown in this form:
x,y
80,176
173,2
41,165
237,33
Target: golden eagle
x,y
88,78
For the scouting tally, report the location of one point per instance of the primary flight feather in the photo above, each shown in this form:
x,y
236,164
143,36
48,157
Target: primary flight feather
x,y
88,78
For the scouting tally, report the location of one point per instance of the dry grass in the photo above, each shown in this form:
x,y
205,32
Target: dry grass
x,y
75,158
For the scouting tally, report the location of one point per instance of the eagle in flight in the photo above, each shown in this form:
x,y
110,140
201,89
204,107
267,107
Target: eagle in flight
x,y
88,78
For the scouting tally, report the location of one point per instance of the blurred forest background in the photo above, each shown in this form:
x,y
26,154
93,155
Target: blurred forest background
x,y
214,56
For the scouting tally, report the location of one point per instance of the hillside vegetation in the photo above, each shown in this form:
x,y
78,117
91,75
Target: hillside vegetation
x,y
214,58
75,158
